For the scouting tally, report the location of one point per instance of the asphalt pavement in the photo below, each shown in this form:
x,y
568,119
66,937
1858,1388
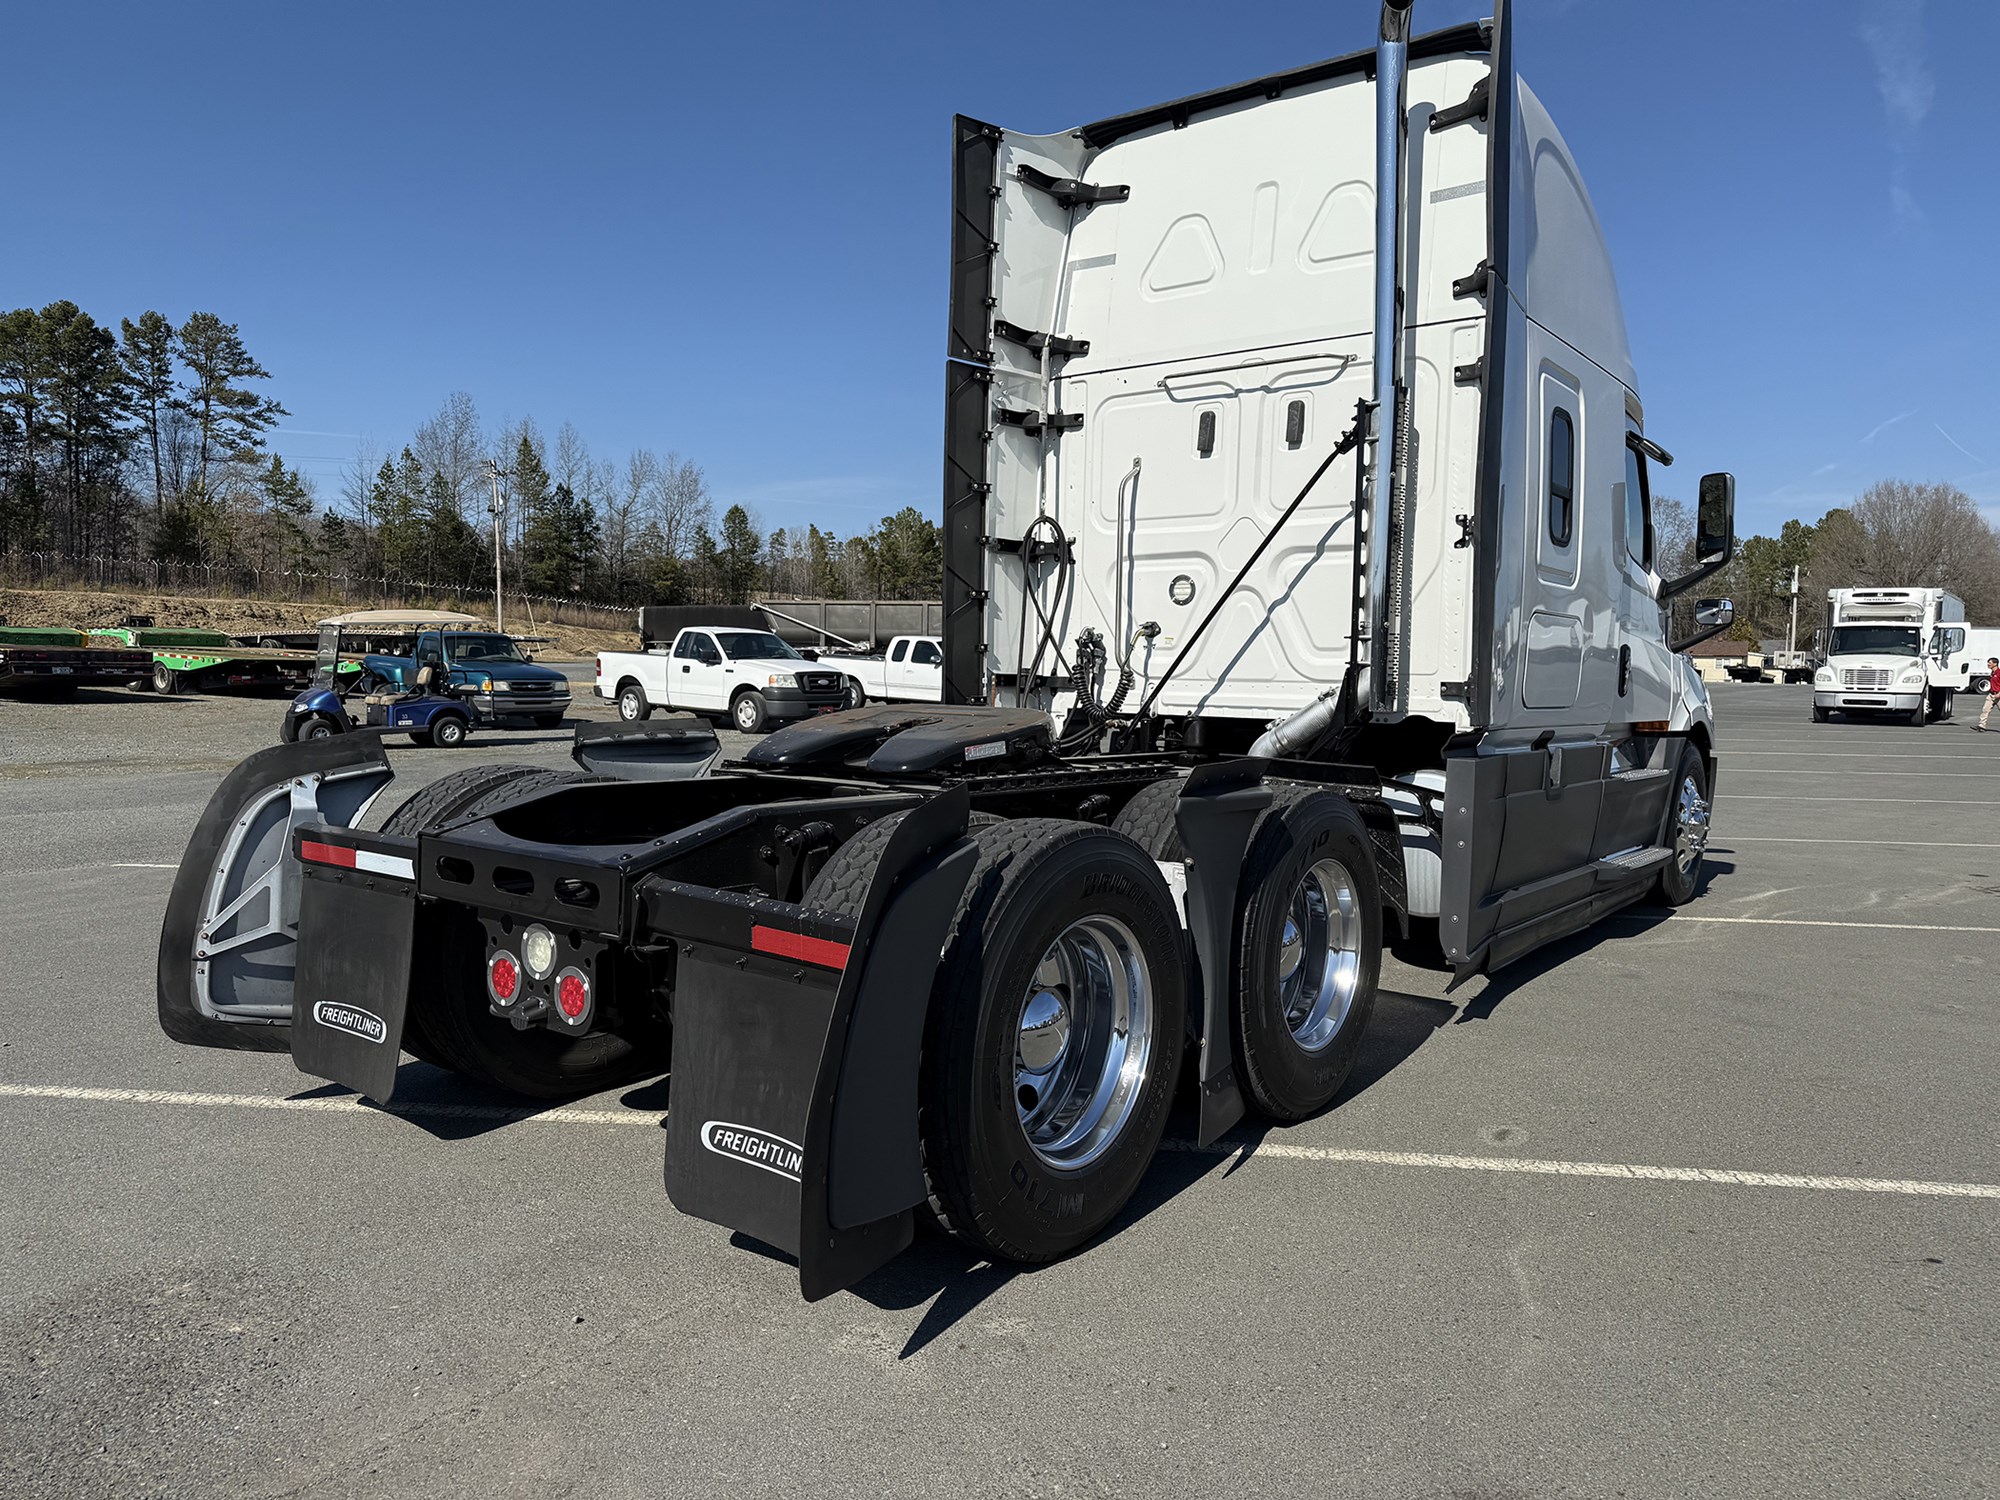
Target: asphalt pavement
x,y
1700,1204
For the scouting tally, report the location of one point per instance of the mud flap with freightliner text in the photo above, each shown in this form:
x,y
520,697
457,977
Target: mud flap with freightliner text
x,y
792,1115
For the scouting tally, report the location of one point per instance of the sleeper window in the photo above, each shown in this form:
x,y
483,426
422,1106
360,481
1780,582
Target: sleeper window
x,y
1562,477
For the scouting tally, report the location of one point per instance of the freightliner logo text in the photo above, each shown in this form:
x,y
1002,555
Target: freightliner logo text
x,y
351,1019
746,1143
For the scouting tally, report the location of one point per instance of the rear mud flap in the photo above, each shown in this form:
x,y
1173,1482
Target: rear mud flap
x,y
792,1115
1219,807
229,943
356,930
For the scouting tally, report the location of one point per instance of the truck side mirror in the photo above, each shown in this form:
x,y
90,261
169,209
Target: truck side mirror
x,y
1714,534
1713,616
1715,519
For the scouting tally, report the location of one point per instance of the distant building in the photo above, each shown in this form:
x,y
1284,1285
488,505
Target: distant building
x,y
1713,658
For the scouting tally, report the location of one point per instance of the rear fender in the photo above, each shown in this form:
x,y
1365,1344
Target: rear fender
x,y
793,1112
229,944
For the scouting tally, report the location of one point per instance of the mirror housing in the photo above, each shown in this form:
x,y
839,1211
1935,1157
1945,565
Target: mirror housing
x,y
1714,616
1714,534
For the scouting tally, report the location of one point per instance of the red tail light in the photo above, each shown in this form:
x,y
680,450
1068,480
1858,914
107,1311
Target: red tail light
x,y
503,978
572,998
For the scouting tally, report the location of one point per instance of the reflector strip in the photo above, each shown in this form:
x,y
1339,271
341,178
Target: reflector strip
x,y
357,859
822,951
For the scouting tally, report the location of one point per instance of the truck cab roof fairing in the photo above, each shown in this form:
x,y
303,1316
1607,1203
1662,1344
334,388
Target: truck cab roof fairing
x,y
1560,267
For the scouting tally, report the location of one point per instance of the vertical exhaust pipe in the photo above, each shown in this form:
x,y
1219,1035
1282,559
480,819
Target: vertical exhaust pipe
x,y
1392,49
1297,734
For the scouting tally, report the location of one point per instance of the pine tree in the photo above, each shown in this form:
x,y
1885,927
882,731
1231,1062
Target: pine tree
x,y
740,556
230,419
287,507
909,559
147,353
24,398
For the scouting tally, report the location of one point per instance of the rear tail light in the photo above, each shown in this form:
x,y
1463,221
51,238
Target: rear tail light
x,y
572,1008
503,978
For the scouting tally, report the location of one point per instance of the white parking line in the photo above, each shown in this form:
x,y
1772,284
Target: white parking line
x,y
1898,801
1729,752
1278,1150
1736,770
1867,843
1681,916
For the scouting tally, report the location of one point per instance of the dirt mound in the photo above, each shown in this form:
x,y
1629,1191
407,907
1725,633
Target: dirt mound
x,y
89,609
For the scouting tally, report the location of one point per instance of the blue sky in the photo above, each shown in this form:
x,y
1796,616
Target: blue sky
x,y
720,229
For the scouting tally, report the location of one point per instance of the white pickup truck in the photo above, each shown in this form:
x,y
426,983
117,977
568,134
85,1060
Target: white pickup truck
x,y
912,671
749,677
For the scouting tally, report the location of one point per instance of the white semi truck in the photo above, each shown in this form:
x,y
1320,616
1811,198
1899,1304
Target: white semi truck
x,y
1890,651
1299,579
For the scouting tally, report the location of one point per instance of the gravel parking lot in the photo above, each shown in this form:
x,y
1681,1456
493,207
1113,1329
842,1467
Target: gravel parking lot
x,y
1700,1204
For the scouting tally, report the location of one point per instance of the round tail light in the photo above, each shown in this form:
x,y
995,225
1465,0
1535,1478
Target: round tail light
x,y
572,997
503,978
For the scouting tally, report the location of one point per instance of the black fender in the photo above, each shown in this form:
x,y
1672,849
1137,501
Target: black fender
x,y
247,827
793,1108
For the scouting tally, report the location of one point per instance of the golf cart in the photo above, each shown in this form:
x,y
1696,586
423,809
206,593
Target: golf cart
x,y
426,709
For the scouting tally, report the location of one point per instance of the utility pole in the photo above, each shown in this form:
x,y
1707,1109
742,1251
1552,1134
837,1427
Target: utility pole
x,y
1792,637
499,609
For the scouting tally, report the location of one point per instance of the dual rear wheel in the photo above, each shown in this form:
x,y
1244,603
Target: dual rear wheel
x,y
1060,1009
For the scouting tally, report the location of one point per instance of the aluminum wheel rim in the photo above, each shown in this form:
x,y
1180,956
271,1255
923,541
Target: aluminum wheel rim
x,y
1319,955
746,714
1083,1040
1690,825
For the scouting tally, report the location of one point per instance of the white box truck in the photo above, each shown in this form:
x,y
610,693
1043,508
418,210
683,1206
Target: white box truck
x,y
1889,651
1299,579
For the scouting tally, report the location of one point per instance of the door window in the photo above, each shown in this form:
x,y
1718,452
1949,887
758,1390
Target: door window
x,y
901,648
684,648
1638,509
698,648
926,654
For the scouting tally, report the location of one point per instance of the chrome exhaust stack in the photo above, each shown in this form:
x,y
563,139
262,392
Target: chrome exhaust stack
x,y
1392,52
1297,734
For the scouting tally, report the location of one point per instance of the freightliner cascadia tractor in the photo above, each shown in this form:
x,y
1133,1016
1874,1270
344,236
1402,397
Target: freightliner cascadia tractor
x,y
1299,579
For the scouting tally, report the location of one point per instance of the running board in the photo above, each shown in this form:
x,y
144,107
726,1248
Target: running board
x,y
1630,862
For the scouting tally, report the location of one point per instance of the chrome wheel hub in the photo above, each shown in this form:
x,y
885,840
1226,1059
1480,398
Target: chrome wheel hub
x,y
1083,1040
1319,955
1690,825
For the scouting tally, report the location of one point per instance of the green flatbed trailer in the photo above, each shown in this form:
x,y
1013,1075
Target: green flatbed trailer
x,y
53,661
185,659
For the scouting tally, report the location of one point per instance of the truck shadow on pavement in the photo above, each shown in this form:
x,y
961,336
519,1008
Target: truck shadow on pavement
x,y
1642,916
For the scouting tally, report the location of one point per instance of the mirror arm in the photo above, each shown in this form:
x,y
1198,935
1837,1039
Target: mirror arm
x,y
1701,635
1671,587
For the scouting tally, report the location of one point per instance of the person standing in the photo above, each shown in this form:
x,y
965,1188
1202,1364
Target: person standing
x,y
1992,691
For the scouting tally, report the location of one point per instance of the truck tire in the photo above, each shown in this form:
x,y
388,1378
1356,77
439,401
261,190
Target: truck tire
x,y
1687,829
1308,950
854,695
166,680
449,1023
1821,715
748,713
1920,715
1148,820
449,731
1062,969
632,704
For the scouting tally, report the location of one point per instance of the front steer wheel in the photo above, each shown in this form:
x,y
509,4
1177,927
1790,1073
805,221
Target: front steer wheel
x,y
1687,829
748,712
1053,1038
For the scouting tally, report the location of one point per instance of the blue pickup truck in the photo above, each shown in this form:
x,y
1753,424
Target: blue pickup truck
x,y
484,670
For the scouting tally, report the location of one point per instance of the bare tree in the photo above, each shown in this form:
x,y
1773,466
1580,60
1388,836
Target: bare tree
x,y
569,459
450,445
679,503
1932,535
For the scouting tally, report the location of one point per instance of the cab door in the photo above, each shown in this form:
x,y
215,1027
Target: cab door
x,y
1645,665
698,680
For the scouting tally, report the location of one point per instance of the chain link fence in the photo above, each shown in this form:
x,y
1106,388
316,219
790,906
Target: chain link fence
x,y
56,570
